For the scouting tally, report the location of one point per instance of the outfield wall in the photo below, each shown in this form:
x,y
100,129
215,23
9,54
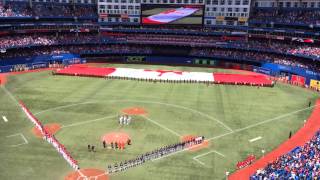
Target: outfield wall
x,y
7,65
264,68
36,62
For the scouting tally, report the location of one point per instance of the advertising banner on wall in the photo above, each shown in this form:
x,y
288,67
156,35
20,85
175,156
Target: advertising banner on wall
x,y
314,84
298,80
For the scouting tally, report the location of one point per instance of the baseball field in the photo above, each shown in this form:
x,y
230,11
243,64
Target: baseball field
x,y
237,121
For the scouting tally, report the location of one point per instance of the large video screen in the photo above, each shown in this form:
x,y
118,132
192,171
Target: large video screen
x,y
157,14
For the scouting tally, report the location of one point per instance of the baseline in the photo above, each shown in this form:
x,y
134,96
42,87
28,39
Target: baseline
x,y
263,122
162,126
254,125
87,122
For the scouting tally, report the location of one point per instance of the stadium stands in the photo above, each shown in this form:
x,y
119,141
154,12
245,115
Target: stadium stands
x,y
45,40
305,50
295,44
301,163
23,9
253,56
252,50
141,49
286,15
78,49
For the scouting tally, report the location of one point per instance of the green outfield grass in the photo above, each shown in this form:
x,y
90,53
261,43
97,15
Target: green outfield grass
x,y
180,109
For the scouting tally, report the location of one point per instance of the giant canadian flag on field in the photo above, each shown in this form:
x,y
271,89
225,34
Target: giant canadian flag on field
x,y
169,15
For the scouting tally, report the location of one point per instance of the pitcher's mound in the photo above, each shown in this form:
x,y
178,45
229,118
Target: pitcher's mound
x,y
115,137
85,174
51,128
135,111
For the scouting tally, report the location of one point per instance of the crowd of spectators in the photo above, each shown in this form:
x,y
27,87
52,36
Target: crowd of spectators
x,y
20,41
281,47
179,28
11,10
23,9
172,39
286,16
254,56
77,49
306,50
141,49
211,46
301,163
34,40
215,41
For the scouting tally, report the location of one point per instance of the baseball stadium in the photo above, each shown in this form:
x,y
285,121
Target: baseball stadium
x,y
159,89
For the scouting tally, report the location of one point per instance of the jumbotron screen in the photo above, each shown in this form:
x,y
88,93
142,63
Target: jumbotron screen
x,y
157,14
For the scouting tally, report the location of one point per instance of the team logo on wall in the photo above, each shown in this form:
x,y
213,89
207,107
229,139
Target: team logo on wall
x,y
136,59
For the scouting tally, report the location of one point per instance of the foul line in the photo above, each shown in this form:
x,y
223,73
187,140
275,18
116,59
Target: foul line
x,y
263,122
22,136
10,95
62,107
254,125
162,126
186,108
81,174
182,107
89,121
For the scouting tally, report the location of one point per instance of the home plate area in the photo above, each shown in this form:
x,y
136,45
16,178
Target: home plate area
x,y
52,128
87,174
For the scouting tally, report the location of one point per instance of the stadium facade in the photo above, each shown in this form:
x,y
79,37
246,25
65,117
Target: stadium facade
x,y
216,12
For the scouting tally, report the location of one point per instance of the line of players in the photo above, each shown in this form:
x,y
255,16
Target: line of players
x,y
125,120
113,145
158,153
158,80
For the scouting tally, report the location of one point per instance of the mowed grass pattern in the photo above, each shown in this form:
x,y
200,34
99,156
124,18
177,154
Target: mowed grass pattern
x,y
182,108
